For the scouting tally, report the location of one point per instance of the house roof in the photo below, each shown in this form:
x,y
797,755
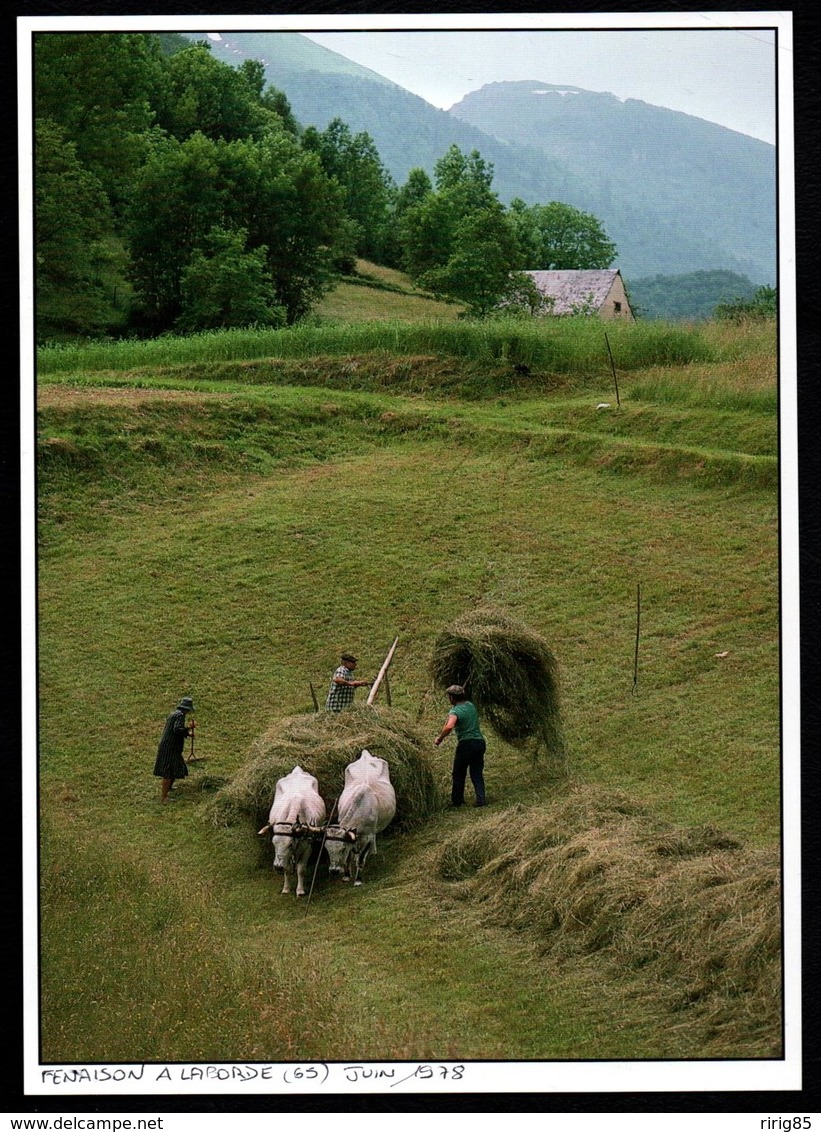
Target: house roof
x,y
574,288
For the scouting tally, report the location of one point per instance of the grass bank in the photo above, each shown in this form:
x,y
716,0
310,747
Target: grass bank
x,y
104,449
559,346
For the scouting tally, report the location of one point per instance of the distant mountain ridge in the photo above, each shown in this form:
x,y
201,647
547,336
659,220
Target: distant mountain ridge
x,y
685,174
408,132
677,194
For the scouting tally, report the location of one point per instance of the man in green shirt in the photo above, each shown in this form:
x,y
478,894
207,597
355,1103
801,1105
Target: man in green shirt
x,y
469,756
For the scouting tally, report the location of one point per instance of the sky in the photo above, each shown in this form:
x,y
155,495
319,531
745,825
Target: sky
x,y
725,76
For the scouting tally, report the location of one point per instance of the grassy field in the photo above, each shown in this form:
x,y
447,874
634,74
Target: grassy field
x,y
222,527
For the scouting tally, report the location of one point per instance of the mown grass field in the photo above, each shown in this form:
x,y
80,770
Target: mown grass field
x,y
222,528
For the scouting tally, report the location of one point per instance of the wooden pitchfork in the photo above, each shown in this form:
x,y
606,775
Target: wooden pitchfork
x,y
191,758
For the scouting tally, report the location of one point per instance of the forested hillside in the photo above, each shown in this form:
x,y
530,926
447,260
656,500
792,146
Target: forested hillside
x,y
700,195
675,193
175,192
693,296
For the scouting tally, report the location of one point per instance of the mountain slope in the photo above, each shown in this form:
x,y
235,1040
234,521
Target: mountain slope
x,y
408,132
691,297
285,54
684,174
677,194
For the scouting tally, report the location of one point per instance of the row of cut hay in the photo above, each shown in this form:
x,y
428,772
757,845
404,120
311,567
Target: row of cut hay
x,y
688,916
510,674
323,743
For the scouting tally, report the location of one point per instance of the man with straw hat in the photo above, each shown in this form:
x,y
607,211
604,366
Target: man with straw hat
x,y
469,756
341,691
170,764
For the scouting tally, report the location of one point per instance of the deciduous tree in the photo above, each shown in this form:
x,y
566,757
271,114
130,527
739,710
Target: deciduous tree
x,y
73,217
100,88
353,160
288,203
428,226
178,197
557,237
478,271
271,188
204,95
226,285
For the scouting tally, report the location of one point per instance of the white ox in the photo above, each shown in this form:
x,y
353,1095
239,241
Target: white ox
x,y
367,805
297,805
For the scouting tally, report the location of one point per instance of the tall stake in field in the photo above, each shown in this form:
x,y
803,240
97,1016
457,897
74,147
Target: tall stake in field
x,y
319,855
382,671
613,368
638,627
313,696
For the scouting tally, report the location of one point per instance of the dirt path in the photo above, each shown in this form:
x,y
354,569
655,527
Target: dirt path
x,y
67,396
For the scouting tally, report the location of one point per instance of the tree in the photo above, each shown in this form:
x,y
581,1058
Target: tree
x,y
523,298
277,103
558,237
182,146
289,204
225,285
204,95
353,160
763,305
73,216
468,177
270,187
178,197
427,227
272,100
100,89
416,188
425,232
478,271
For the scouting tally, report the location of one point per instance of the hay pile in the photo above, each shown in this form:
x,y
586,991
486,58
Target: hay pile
x,y
323,743
510,674
688,916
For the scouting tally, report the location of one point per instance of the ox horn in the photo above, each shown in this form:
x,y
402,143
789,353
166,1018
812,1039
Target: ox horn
x,y
263,831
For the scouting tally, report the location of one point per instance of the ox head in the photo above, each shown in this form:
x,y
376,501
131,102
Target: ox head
x,y
339,843
285,837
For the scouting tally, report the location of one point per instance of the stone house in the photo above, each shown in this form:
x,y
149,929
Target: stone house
x,y
598,293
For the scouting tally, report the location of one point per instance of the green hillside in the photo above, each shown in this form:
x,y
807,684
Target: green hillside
x,y
377,293
286,55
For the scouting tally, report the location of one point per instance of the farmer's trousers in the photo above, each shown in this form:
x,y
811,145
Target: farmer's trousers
x,y
469,756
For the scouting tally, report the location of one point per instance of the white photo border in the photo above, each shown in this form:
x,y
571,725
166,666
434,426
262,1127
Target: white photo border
x,y
112,1081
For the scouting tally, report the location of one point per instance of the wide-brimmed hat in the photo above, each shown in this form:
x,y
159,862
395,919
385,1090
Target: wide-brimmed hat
x,y
185,704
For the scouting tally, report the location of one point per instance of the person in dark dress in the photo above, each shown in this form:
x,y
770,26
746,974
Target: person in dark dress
x,y
170,764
